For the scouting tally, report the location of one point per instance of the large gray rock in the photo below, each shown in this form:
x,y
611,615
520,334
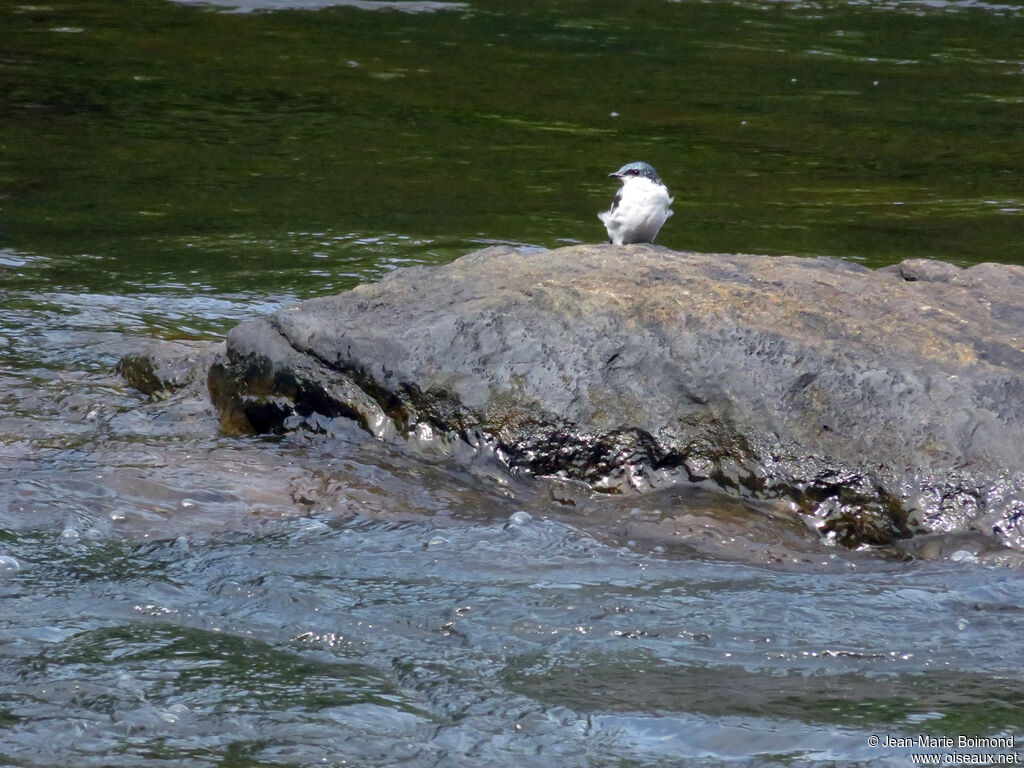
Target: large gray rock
x,y
879,402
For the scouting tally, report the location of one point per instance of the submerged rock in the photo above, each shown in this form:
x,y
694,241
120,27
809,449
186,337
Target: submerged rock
x,y
159,368
879,402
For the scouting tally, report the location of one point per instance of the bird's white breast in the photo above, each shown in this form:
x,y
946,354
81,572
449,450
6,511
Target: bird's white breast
x,y
643,208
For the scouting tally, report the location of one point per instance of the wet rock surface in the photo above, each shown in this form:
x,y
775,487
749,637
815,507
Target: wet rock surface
x,y
877,403
159,368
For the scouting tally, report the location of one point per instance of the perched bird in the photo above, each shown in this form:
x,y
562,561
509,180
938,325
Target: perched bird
x,y
640,206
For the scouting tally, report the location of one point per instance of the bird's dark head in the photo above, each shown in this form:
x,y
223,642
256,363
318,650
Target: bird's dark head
x,y
630,170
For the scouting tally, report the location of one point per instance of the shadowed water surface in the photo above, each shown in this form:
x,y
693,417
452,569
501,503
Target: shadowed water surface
x,y
170,595
159,132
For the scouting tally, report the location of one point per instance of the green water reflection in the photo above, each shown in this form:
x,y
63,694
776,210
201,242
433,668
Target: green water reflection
x,y
254,148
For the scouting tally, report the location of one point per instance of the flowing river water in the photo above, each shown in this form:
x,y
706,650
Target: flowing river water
x,y
174,595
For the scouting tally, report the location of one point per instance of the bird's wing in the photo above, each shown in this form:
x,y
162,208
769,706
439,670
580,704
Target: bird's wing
x,y
617,199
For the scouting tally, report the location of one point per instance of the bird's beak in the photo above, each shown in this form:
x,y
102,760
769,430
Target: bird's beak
x,y
616,175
